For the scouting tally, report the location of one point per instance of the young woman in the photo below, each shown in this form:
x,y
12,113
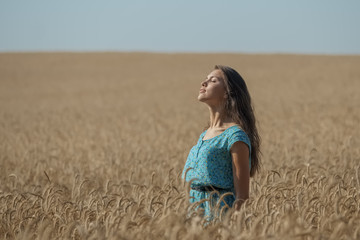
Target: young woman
x,y
227,152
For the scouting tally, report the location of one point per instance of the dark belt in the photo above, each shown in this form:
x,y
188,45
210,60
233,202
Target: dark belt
x,y
208,188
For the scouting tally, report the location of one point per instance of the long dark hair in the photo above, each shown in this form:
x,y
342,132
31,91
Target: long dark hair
x,y
239,108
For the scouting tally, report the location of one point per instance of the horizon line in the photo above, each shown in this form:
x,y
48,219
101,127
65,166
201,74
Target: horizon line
x,y
177,52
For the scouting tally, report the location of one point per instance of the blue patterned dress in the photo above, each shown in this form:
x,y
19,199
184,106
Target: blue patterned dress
x,y
211,165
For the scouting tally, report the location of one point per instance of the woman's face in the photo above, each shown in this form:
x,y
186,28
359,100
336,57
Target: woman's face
x,y
212,89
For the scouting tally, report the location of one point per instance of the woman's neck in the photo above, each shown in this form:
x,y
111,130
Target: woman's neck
x,y
218,117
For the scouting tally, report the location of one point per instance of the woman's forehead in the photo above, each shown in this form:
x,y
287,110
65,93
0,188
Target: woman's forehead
x,y
215,73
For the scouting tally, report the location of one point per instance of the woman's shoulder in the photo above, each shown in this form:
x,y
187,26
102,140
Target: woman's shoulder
x,y
238,133
235,129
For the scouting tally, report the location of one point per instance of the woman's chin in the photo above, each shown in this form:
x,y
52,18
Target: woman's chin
x,y
200,98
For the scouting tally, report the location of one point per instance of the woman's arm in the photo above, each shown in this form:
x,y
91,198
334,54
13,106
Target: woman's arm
x,y
241,172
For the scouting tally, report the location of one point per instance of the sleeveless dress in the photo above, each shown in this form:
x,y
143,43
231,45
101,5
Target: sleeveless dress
x,y
209,167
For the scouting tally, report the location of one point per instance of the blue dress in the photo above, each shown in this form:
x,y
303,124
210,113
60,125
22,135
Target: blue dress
x,y
210,164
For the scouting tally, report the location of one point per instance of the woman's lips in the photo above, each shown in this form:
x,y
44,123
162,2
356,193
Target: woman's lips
x,y
202,91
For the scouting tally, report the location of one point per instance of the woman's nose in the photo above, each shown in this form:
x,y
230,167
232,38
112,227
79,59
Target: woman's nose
x,y
203,83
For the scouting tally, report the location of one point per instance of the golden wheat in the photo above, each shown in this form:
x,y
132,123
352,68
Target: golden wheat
x,y
93,145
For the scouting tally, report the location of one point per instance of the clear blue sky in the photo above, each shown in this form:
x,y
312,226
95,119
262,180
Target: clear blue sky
x,y
253,26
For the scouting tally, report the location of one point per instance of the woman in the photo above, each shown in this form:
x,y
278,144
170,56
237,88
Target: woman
x,y
227,152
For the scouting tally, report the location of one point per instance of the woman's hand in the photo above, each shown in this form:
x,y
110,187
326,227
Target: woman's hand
x,y
241,172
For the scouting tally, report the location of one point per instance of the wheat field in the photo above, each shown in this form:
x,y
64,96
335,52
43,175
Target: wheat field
x,y
92,146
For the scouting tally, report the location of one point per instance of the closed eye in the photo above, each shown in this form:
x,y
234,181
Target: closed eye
x,y
212,79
